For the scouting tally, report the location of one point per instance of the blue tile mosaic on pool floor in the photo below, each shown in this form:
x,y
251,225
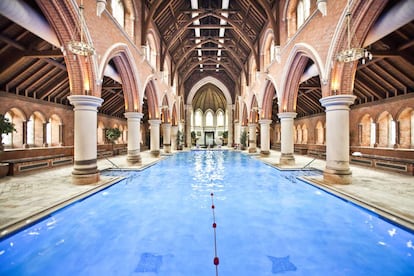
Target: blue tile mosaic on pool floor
x,y
149,263
281,265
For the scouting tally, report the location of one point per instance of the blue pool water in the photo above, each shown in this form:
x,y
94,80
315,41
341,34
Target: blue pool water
x,y
159,222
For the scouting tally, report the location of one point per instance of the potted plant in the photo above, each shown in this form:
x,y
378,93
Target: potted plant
x,y
243,139
193,138
6,127
112,134
225,137
180,140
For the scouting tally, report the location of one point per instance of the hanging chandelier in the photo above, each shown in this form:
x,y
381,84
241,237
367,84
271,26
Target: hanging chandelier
x,y
80,47
352,54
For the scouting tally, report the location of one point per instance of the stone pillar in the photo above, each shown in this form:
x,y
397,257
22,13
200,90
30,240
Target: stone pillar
x,y
44,130
166,130
286,143
24,142
188,111
85,169
230,125
252,137
265,137
237,133
134,143
60,135
174,137
155,137
337,138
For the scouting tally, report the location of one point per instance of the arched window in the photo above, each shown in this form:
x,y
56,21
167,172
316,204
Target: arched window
x,y
299,134
320,134
53,129
30,130
302,12
365,131
406,128
209,118
304,134
220,118
198,118
118,11
387,130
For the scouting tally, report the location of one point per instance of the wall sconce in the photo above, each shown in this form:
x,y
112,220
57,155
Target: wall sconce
x,y
321,4
100,7
335,87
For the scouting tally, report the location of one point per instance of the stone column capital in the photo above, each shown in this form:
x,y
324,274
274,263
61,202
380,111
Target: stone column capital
x,y
133,115
84,102
287,115
154,122
338,102
265,121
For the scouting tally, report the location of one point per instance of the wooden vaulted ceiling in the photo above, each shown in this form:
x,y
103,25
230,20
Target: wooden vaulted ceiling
x,y
177,21
31,67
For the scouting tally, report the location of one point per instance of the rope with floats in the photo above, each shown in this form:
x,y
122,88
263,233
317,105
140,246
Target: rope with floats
x,y
216,260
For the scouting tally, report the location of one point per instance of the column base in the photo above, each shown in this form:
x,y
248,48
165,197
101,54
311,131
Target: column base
x,y
167,148
264,153
155,153
287,159
134,159
84,179
342,177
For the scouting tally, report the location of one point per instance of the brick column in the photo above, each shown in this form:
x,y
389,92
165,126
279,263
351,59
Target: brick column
x,y
337,138
134,143
85,169
286,143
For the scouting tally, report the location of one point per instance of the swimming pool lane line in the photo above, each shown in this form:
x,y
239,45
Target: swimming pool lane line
x,y
216,260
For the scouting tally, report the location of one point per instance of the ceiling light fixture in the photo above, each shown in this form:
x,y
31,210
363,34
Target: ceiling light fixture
x,y
352,54
80,47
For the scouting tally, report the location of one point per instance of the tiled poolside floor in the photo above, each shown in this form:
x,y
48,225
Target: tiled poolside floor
x,y
26,197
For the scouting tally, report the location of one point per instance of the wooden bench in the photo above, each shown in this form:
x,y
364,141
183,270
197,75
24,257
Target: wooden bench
x,y
401,165
22,165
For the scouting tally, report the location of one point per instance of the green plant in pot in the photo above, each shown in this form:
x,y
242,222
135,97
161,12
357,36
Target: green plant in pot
x,y
193,138
180,139
112,134
6,127
225,137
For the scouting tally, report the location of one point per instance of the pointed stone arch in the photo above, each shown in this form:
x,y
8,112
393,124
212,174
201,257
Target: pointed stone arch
x,y
63,17
254,110
364,14
293,71
267,105
165,110
124,62
152,99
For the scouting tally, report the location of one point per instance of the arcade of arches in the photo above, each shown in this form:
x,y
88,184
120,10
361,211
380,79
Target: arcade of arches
x,y
181,73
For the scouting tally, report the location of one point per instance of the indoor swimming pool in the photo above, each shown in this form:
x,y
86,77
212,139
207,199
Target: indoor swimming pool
x,y
159,221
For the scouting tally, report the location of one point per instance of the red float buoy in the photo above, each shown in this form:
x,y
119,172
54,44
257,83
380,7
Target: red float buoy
x,y
216,261
214,225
